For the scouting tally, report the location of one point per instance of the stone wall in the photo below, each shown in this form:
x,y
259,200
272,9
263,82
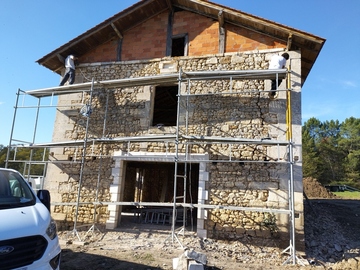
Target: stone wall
x,y
248,114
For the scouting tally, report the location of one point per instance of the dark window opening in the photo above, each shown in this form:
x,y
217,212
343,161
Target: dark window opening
x,y
178,47
165,106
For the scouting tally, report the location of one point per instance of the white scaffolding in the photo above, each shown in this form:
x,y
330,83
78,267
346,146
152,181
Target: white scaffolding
x,y
181,78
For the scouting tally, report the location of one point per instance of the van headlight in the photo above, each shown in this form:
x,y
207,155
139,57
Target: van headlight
x,y
51,230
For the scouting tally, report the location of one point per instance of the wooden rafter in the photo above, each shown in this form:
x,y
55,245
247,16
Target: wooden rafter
x,y
116,30
289,42
169,4
221,32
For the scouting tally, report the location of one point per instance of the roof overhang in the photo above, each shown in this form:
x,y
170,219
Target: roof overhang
x,y
115,27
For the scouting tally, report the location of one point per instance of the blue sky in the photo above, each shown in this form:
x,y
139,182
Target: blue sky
x,y
32,29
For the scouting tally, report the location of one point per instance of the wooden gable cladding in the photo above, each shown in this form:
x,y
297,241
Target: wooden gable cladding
x,y
265,33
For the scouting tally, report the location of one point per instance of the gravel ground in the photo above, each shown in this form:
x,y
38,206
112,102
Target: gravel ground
x,y
332,241
155,248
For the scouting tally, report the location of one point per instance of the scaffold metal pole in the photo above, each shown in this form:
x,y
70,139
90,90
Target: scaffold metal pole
x,y
82,165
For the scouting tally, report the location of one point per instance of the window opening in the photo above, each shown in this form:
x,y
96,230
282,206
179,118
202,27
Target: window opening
x,y
165,106
178,46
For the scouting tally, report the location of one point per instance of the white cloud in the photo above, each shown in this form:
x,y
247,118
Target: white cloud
x,y
319,112
331,109
349,83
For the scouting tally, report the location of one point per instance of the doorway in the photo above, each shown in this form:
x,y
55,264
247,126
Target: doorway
x,y
154,182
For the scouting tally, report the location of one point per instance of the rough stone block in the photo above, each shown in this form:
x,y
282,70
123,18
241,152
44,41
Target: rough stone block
x,y
58,216
212,60
193,265
203,194
180,263
204,176
110,224
201,233
193,255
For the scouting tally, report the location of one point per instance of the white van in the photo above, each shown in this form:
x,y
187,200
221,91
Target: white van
x,y
28,238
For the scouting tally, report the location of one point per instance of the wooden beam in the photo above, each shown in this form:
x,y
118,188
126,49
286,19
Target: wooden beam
x,y
61,58
116,30
221,32
221,18
169,33
289,42
170,6
119,49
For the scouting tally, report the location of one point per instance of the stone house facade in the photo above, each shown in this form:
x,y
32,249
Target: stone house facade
x,y
127,118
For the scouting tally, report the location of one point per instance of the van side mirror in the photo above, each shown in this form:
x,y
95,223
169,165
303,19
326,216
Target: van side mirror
x,y
44,197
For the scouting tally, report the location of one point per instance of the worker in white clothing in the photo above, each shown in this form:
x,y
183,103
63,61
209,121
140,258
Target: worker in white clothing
x,y
70,70
277,62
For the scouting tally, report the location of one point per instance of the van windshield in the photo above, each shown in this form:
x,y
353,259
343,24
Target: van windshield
x,y
14,191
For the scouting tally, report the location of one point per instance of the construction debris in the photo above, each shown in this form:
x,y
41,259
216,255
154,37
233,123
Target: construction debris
x,y
190,260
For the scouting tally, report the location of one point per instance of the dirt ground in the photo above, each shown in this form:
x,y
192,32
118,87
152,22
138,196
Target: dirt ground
x,y
332,241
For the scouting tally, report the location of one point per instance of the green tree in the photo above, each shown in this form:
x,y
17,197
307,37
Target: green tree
x,y
350,145
3,152
330,153
312,166
321,156
19,159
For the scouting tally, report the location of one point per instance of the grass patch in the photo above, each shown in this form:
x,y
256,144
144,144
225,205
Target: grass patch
x,y
354,195
147,257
